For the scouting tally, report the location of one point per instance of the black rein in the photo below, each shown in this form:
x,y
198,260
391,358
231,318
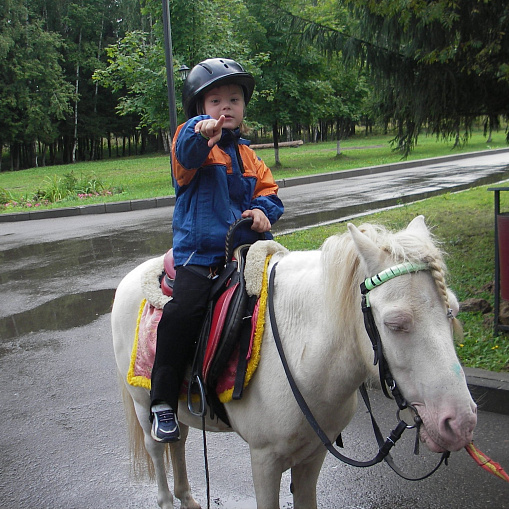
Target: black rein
x,y
384,446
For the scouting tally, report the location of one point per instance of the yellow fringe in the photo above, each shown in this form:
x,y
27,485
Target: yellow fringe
x,y
226,396
132,379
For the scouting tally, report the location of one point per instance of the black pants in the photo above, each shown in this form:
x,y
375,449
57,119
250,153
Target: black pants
x,y
178,332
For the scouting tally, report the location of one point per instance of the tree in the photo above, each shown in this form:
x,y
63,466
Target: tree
x,y
136,63
437,64
299,86
137,68
87,27
34,95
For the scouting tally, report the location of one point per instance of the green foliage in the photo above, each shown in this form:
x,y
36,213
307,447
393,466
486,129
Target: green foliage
x,y
136,63
436,65
75,73
5,196
34,95
54,190
138,68
48,52
57,189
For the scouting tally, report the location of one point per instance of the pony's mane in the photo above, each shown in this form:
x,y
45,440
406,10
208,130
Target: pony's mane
x,y
342,264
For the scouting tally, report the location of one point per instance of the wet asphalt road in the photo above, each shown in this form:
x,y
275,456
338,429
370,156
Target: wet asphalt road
x,y
330,200
62,440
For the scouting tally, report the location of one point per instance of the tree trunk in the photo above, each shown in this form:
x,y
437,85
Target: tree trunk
x,y
96,91
275,135
76,91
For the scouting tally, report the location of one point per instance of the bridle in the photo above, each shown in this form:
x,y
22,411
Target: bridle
x,y
386,378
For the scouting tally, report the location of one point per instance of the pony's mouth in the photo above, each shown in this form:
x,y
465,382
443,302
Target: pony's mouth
x,y
430,442
430,438
441,434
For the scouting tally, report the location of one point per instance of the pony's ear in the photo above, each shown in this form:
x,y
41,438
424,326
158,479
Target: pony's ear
x,y
368,250
418,225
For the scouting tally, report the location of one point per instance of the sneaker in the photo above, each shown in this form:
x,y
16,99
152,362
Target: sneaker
x,y
165,427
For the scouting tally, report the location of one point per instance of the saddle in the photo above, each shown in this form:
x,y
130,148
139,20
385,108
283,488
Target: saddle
x,y
229,323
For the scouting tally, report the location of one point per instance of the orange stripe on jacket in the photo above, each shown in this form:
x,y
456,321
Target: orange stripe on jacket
x,y
253,167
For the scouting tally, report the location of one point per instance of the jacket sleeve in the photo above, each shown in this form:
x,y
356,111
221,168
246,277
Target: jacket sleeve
x,y
271,205
191,149
265,195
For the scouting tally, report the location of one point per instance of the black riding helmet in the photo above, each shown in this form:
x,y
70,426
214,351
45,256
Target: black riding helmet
x,y
211,73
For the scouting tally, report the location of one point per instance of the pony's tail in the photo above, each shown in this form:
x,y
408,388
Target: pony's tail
x,y
141,463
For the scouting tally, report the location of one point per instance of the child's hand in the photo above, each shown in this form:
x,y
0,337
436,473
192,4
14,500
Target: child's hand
x,y
210,129
261,223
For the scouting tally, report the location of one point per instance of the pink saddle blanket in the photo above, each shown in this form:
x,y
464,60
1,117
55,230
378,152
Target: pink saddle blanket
x,y
144,348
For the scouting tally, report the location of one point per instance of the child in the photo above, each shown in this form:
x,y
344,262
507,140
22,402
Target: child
x,y
218,179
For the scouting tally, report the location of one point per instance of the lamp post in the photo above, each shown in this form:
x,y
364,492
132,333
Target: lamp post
x,y
169,67
183,70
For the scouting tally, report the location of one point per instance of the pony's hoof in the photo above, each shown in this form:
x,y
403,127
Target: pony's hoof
x,y
189,502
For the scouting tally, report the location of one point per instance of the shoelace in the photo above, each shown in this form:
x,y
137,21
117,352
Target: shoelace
x,y
166,416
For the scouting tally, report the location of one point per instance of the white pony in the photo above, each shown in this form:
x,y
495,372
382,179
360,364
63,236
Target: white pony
x,y
318,311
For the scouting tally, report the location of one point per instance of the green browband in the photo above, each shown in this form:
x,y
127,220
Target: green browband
x,y
390,273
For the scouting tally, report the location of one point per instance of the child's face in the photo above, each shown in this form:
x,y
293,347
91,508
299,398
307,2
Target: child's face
x,y
227,100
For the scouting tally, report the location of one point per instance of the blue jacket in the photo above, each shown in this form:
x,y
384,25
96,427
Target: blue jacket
x,y
212,192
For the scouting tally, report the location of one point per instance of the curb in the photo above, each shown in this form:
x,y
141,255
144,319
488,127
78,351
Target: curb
x,y
489,389
97,208
168,201
373,170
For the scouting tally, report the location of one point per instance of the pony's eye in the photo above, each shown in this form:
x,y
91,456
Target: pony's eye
x,y
396,327
399,321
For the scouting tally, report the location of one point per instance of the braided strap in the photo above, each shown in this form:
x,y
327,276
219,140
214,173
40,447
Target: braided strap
x,y
230,236
390,273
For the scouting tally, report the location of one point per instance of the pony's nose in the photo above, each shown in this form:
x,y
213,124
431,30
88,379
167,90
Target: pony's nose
x,y
458,430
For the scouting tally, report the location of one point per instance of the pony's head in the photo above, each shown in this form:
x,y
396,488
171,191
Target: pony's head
x,y
415,316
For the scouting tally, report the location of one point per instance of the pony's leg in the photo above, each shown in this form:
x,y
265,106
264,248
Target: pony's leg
x,y
304,479
181,486
156,452
266,478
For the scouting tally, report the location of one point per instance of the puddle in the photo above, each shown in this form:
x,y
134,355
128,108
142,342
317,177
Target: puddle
x,y
63,258
62,313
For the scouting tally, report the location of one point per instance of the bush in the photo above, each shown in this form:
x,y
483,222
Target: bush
x,y
5,196
57,189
